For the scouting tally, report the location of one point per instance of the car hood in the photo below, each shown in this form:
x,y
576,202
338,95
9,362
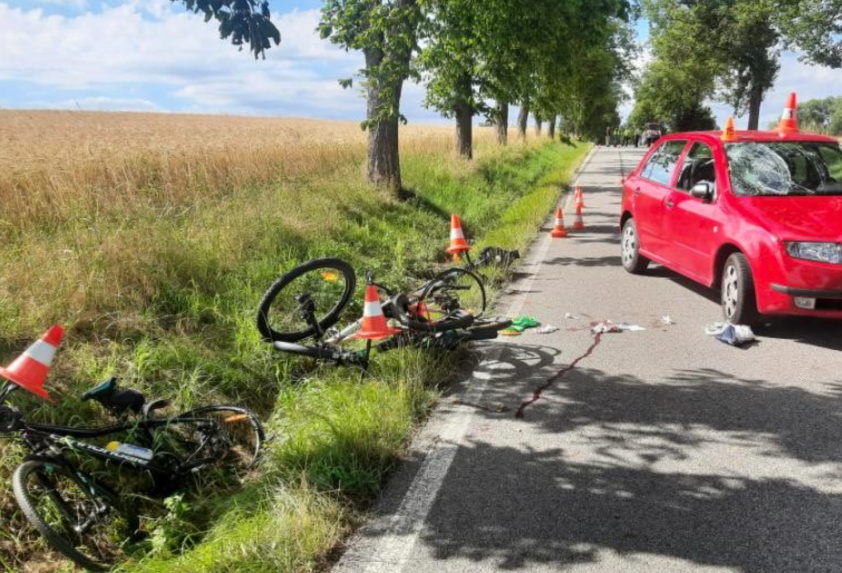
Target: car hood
x,y
798,218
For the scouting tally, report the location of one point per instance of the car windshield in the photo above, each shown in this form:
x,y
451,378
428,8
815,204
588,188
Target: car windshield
x,y
785,168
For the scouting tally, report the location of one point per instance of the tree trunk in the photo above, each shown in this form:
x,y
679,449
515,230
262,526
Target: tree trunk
x,y
551,127
501,120
523,119
539,125
465,130
383,158
755,99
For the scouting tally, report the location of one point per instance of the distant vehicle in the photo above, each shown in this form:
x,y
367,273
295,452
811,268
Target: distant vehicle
x,y
651,133
755,213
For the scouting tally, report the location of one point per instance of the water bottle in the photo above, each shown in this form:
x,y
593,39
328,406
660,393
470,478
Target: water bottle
x,y
131,450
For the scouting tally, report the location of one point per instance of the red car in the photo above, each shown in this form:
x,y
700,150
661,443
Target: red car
x,y
757,214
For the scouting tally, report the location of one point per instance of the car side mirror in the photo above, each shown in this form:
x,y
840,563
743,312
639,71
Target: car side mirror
x,y
703,191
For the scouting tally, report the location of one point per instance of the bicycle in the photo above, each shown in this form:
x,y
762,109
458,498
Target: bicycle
x,y
83,517
309,300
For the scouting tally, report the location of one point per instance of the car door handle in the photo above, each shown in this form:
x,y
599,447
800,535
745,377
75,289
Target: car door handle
x,y
670,204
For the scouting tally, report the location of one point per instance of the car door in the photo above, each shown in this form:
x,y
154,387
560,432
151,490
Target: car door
x,y
690,222
650,194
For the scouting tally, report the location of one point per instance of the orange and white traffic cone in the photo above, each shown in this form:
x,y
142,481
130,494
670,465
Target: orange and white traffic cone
x,y
458,244
579,198
789,119
578,221
730,132
579,202
559,232
374,325
30,369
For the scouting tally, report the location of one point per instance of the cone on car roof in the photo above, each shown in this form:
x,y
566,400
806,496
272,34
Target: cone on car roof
x,y
789,119
730,132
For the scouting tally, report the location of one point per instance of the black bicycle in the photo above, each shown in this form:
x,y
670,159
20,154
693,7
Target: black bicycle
x,y
309,301
83,517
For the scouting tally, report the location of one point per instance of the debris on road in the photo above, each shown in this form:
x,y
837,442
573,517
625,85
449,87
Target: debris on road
x,y
731,334
667,320
520,324
571,316
608,326
547,329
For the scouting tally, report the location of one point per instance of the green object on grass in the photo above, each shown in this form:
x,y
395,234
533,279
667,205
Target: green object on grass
x,y
521,323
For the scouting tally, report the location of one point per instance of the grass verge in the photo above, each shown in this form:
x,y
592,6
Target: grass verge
x,y
163,296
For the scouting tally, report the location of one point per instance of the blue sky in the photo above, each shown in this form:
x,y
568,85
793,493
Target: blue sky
x,y
149,55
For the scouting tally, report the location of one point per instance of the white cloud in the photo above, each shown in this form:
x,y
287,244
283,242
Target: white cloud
x,y
77,4
144,43
101,103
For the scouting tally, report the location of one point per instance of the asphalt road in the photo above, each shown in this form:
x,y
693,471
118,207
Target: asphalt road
x,y
662,450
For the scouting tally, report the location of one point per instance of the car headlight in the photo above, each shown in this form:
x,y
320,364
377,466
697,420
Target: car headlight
x,y
820,252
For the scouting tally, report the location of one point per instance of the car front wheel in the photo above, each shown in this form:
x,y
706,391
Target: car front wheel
x,y
633,261
739,302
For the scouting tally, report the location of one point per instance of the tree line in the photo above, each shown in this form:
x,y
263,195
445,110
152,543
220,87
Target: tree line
x,y
727,51
563,61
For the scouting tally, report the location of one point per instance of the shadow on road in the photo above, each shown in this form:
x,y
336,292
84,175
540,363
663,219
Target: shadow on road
x,y
616,491
586,261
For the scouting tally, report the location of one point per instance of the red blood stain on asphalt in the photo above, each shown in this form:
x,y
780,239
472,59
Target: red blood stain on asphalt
x,y
536,394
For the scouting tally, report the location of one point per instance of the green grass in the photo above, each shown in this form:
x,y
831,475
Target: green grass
x,y
166,303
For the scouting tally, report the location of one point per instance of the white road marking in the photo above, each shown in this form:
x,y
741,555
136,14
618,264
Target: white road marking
x,y
392,550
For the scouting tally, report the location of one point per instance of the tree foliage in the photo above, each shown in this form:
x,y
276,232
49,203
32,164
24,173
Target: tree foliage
x,y
732,47
245,22
386,31
813,26
821,115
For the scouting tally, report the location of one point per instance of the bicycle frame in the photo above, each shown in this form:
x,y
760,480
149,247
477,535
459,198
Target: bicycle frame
x,y
41,438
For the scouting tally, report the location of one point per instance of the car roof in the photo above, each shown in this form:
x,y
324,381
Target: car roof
x,y
744,136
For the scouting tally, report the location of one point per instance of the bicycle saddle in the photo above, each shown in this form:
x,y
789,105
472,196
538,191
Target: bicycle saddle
x,y
117,401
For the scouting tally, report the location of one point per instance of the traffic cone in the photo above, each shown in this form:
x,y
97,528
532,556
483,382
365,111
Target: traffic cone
x,y
30,369
578,221
374,325
559,232
730,132
579,202
458,243
789,119
579,198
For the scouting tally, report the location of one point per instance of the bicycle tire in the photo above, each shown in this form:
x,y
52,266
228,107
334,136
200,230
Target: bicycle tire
x,y
259,433
56,540
271,334
449,322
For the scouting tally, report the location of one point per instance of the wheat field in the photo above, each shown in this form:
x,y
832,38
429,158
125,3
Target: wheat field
x,y
54,161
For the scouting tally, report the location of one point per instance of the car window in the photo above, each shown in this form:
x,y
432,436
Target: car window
x,y
698,167
785,168
661,165
833,160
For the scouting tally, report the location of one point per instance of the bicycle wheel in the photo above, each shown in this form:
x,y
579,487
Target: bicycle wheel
x,y
225,436
319,289
452,300
73,514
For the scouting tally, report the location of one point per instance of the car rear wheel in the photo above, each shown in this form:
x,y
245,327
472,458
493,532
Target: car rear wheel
x,y
739,301
633,261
